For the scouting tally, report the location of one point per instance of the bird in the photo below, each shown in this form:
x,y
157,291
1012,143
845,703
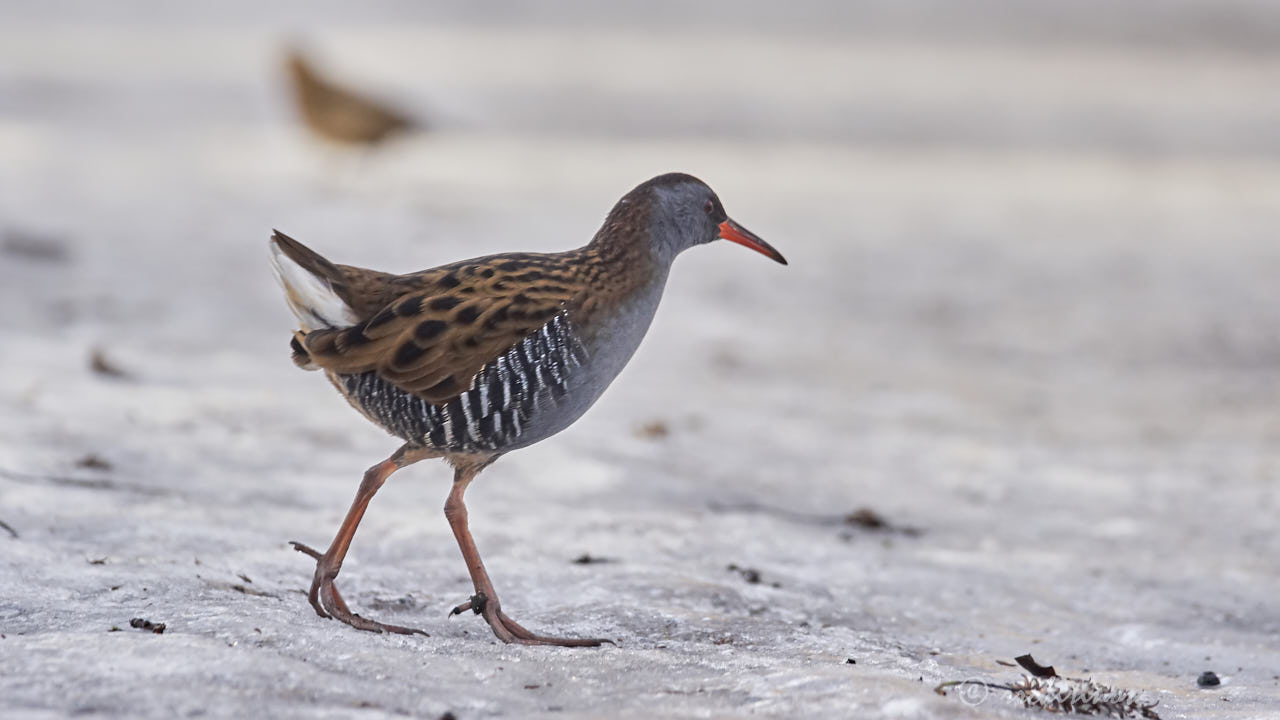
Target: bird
x,y
469,361
337,113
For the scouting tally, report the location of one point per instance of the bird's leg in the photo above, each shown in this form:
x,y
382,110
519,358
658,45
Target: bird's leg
x,y
324,596
485,601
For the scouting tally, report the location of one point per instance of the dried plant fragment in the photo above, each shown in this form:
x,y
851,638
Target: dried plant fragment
x,y
102,365
1029,664
1082,697
1045,690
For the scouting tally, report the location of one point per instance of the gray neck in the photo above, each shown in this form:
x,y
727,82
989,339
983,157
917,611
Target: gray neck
x,y
619,332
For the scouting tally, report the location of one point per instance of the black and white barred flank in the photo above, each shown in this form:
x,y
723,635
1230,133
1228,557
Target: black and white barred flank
x,y
493,413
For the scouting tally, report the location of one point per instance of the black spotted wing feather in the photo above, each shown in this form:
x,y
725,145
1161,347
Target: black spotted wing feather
x,y
460,359
432,342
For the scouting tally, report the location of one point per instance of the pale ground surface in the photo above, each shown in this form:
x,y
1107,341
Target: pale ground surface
x,y
1033,311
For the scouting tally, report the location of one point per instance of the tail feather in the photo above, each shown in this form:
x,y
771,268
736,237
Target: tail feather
x,y
301,357
309,259
308,281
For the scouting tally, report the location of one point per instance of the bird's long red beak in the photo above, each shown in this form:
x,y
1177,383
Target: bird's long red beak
x,y
733,232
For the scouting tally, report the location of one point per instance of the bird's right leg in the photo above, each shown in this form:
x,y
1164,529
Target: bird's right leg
x,y
324,596
485,601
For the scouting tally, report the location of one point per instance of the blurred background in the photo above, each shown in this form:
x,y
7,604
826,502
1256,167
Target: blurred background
x,y
1031,312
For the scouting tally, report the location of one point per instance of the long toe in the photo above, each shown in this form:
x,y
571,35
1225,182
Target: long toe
x,y
328,602
337,608
520,635
363,623
313,594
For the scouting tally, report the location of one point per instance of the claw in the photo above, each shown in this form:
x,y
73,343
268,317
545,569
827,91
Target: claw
x,y
306,549
476,605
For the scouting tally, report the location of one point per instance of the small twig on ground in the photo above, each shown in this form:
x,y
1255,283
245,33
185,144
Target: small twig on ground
x,y
93,462
751,575
653,430
589,559
102,365
245,590
91,484
144,624
861,518
9,528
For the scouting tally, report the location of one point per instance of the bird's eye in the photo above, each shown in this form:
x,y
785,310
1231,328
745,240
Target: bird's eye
x,y
709,207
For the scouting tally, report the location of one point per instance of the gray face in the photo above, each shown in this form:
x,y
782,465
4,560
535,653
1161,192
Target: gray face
x,y
684,214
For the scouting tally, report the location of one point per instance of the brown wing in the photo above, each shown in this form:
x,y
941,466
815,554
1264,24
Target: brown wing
x,y
433,341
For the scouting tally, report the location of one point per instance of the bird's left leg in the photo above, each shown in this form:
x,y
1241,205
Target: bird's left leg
x,y
324,595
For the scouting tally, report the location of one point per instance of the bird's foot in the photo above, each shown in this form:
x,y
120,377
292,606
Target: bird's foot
x,y
510,631
328,602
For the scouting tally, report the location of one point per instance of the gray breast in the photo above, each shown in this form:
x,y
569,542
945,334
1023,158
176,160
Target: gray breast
x,y
533,390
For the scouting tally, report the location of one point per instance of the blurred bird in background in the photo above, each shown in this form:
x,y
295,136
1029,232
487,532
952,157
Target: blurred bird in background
x,y
340,114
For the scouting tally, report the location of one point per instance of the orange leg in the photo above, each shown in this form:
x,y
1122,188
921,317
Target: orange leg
x,y
324,596
485,602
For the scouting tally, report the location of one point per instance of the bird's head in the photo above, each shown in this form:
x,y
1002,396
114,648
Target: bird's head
x,y
682,211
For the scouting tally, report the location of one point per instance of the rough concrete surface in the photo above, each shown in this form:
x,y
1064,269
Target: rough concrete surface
x,y
1032,320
